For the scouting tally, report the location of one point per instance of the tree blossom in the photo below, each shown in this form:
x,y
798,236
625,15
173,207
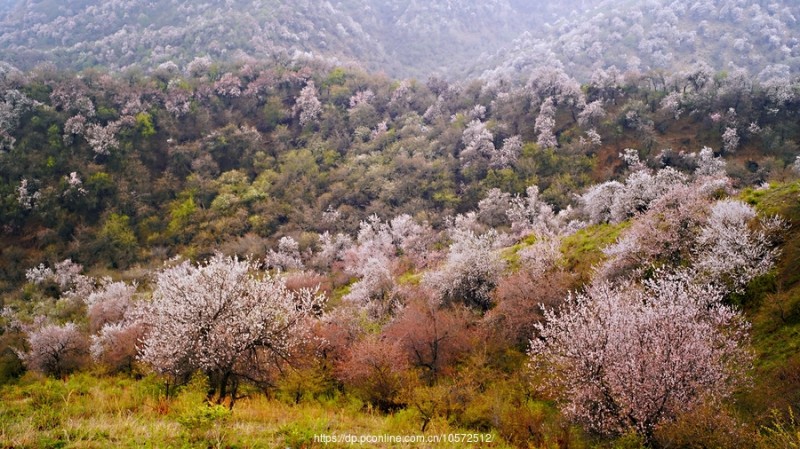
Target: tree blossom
x,y
671,104
361,97
307,105
471,270
287,257
198,66
109,304
25,198
597,202
591,113
117,345
74,185
13,105
708,165
730,140
478,143
508,154
492,209
615,202
71,97
178,100
634,356
545,123
594,137
378,247
228,86
728,250
67,275
530,214
664,235
332,247
101,138
55,350
631,157
222,319
74,126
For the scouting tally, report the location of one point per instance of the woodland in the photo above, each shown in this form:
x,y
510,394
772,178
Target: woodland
x,y
259,252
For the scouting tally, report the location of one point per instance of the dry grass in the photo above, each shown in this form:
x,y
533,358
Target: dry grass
x,y
92,411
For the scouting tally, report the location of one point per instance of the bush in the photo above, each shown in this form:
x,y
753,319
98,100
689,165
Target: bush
x,y
375,368
709,425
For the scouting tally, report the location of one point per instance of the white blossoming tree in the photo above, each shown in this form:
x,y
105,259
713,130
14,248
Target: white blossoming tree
x,y
731,251
225,319
307,105
471,271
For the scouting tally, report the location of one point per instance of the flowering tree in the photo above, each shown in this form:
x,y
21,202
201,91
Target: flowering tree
x,y
633,356
66,275
471,271
374,367
671,104
492,209
478,143
55,350
545,123
307,104
431,337
116,345
531,214
508,154
13,104
332,248
221,318
708,165
615,202
730,140
109,305
228,86
380,245
287,257
592,113
370,260
663,235
102,139
728,250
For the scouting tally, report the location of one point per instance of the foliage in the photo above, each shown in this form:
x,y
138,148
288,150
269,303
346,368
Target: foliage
x,y
438,227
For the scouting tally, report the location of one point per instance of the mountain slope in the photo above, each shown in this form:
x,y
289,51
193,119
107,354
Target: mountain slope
x,y
661,35
448,38
402,37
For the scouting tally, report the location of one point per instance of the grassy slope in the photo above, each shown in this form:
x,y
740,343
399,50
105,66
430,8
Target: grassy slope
x,y
774,310
90,410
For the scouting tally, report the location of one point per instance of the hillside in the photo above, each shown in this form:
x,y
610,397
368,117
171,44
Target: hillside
x,y
400,37
673,36
247,224
405,38
430,221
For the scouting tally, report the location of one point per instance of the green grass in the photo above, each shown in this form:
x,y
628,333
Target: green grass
x,y
91,411
583,250
776,315
511,254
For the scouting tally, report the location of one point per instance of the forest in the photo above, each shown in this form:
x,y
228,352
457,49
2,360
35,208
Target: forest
x,y
552,263
284,251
